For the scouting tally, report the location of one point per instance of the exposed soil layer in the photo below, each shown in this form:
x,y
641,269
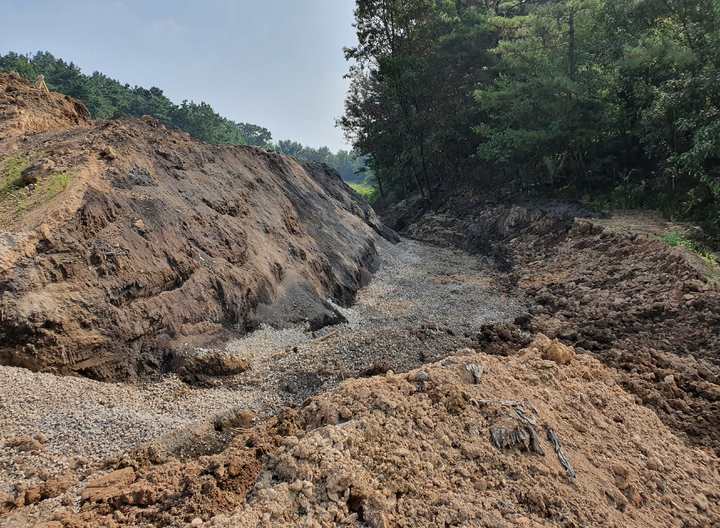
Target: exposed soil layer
x,y
24,111
129,248
414,311
649,310
546,437
125,243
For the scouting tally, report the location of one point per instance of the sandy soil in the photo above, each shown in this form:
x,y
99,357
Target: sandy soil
x,y
123,241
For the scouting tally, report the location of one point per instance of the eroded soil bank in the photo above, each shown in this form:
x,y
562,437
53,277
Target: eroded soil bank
x,y
521,431
608,288
423,304
558,372
545,437
124,244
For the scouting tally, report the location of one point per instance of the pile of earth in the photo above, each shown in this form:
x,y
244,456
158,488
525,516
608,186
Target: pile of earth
x,y
650,310
545,437
124,243
24,111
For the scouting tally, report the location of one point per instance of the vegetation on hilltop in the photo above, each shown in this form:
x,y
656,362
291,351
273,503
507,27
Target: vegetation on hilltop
x,y
107,98
605,100
351,167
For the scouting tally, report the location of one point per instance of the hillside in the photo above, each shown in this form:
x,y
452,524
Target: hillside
x,y
122,241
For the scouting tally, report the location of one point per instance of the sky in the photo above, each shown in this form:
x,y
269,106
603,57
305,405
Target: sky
x,y
275,63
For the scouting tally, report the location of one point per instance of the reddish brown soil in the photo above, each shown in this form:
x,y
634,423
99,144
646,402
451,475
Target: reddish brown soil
x,y
464,442
159,240
649,310
24,110
149,240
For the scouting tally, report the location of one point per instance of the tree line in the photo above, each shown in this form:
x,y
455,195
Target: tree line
x,y
107,98
610,101
351,167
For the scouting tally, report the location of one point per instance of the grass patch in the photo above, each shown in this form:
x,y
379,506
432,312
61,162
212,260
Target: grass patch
x,y
675,239
11,170
56,184
16,197
45,191
368,192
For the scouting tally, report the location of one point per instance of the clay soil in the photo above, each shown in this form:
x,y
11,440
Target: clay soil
x,y
612,290
546,437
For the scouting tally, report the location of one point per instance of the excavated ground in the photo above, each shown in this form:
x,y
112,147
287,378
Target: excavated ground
x,y
439,400
424,304
610,289
124,244
546,437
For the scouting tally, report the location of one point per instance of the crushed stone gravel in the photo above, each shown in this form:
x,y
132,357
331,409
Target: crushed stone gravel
x,y
423,304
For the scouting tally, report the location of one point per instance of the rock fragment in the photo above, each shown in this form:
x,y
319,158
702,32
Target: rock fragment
x,y
108,486
37,171
26,444
476,371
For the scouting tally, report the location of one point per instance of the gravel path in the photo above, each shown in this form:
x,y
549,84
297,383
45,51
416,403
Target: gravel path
x,y
423,304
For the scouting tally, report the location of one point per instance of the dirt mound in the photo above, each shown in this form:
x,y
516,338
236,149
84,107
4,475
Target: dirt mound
x,y
643,308
474,440
634,302
483,441
25,110
123,242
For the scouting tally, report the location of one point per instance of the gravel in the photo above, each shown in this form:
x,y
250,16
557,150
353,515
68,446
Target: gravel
x,y
423,304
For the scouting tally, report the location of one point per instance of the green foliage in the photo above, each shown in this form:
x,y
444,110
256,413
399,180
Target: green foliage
x,y
11,170
351,168
368,192
57,183
106,98
16,197
676,239
615,100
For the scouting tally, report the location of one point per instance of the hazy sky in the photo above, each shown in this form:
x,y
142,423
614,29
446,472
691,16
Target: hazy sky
x,y
276,63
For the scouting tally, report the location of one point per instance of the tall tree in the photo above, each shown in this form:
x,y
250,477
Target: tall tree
x,y
598,99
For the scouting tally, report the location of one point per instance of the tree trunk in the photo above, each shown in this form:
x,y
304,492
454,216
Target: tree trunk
x,y
572,48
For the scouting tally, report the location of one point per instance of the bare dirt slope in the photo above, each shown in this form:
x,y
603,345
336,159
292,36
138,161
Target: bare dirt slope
x,y
465,441
24,111
128,248
413,312
647,309
121,242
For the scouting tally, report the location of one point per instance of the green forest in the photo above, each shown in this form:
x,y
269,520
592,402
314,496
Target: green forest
x,y
107,98
612,102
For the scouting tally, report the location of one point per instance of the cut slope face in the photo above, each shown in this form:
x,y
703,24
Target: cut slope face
x,y
638,305
454,445
122,241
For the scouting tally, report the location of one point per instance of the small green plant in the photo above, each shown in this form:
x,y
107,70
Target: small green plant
x,y
16,196
676,239
11,170
57,183
368,192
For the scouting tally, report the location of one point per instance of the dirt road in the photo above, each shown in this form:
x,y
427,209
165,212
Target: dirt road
x,y
423,304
